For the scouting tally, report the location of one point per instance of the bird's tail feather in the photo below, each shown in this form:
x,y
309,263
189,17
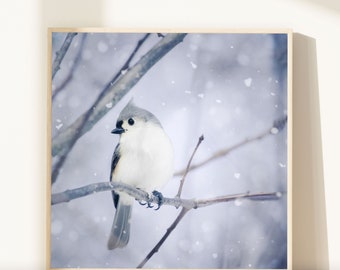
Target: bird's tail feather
x,y
120,231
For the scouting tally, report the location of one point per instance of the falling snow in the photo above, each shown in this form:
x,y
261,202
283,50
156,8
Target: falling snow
x,y
109,105
238,202
59,126
248,82
193,65
274,130
279,194
237,175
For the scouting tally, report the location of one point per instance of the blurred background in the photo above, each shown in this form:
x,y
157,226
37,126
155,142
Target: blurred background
x,y
229,87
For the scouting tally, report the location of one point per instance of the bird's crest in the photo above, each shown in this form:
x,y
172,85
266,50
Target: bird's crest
x,y
131,111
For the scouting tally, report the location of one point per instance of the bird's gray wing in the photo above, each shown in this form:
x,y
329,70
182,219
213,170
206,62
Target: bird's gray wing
x,y
114,162
120,231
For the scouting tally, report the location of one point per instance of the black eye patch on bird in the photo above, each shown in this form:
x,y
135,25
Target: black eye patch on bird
x,y
119,124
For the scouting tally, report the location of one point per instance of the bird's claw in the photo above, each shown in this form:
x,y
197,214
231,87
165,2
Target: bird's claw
x,y
160,198
148,202
142,203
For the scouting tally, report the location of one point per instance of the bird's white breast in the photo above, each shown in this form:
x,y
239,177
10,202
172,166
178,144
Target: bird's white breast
x,y
146,158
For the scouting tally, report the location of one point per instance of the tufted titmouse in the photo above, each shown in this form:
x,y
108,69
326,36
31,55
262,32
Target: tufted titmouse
x,y
143,158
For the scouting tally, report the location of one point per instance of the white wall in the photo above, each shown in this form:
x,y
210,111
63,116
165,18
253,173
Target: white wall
x,y
23,63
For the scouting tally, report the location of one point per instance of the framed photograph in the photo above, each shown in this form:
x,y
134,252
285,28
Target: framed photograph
x,y
169,149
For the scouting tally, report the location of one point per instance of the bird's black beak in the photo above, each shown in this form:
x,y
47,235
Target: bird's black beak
x,y
118,130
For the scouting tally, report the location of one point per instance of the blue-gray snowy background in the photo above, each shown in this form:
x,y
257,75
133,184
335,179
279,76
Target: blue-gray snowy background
x,y
228,87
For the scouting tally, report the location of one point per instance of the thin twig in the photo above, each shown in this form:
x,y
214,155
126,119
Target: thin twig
x,y
112,93
61,53
277,126
165,236
200,139
128,61
75,64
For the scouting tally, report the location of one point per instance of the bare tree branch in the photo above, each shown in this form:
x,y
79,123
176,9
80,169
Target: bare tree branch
x,y
201,138
75,64
277,126
112,93
61,53
76,193
140,195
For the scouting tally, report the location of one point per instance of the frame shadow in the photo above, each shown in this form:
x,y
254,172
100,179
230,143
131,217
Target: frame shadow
x,y
310,242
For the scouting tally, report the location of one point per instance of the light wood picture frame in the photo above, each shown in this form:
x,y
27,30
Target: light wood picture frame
x,y
224,98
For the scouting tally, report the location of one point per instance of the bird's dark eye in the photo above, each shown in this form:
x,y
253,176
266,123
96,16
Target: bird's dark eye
x,y
131,121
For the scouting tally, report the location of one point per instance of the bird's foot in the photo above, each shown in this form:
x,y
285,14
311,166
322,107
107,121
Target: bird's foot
x,y
160,198
149,201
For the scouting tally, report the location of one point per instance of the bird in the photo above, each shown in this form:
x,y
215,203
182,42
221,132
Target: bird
x,y
143,158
